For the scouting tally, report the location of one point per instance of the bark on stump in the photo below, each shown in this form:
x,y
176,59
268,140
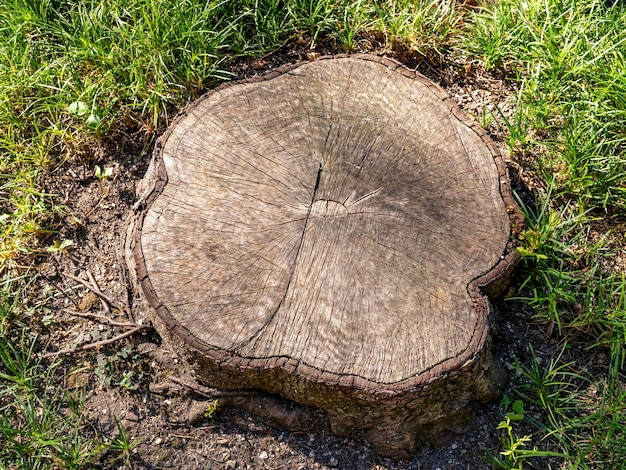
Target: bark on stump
x,y
327,232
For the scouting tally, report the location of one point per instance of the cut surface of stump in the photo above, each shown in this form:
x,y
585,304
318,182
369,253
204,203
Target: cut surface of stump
x,y
324,233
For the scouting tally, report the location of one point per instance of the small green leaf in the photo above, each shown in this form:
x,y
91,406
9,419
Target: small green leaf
x,y
102,173
77,108
515,416
528,253
93,120
210,409
504,425
59,246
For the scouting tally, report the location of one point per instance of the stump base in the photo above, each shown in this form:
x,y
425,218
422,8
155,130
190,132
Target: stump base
x,y
395,426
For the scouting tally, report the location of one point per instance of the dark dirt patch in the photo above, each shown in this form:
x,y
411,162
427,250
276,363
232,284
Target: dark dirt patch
x,y
131,380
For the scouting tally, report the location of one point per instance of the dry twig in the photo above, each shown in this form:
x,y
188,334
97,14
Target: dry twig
x,y
97,344
107,303
95,289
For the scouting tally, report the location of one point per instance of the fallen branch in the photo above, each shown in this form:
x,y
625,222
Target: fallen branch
x,y
97,344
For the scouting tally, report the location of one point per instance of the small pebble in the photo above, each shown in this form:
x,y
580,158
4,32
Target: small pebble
x,y
312,55
263,455
157,441
131,416
333,462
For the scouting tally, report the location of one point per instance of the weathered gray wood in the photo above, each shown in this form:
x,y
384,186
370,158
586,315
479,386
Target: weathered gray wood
x,y
324,233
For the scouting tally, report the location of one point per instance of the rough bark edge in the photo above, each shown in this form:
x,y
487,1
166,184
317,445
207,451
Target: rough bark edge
x,y
490,282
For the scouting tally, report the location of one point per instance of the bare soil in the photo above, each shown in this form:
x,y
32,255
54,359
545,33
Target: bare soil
x,y
142,384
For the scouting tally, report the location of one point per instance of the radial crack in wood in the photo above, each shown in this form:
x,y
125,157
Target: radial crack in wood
x,y
324,232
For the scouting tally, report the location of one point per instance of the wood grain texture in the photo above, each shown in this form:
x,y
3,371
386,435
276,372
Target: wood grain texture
x,y
333,222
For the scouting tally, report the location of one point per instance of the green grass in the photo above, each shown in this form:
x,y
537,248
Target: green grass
x,y
41,420
128,66
568,58
76,75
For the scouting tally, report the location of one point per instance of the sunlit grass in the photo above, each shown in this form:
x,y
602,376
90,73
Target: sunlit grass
x,y
568,58
426,26
145,59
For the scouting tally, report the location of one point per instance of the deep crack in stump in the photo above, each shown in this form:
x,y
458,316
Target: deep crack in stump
x,y
328,232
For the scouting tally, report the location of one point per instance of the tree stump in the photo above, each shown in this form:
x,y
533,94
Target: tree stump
x,y
327,232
